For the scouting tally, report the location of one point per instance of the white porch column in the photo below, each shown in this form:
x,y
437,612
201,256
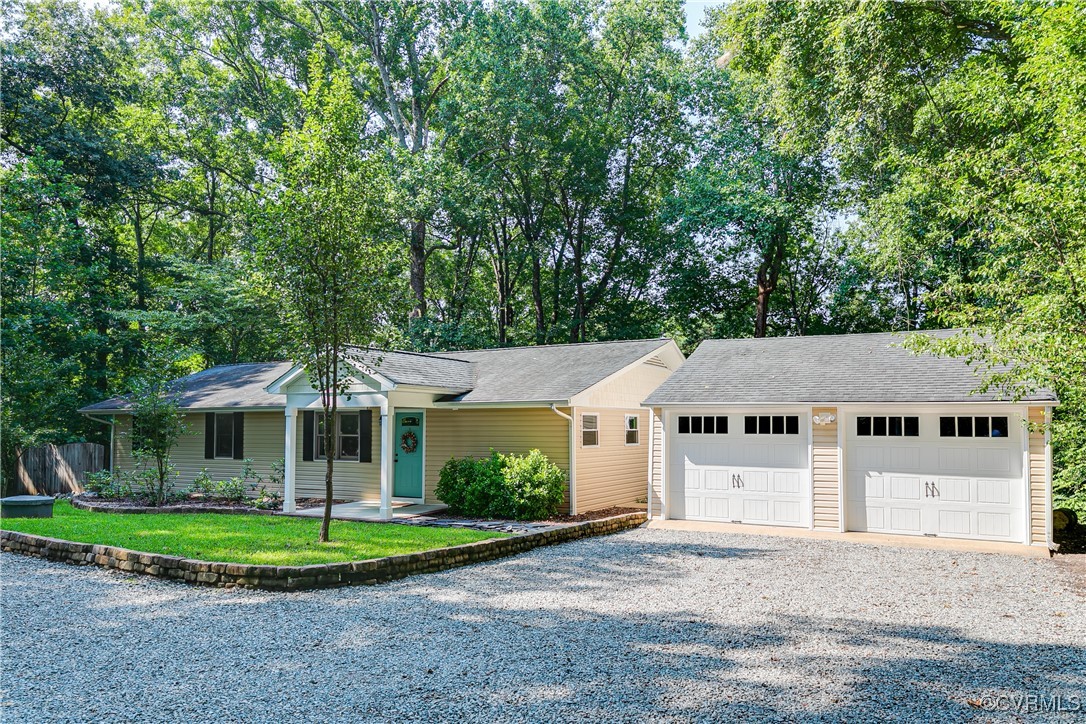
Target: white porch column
x,y
388,455
288,458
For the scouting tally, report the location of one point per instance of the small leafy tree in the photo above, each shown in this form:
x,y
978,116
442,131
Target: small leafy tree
x,y
324,247
157,425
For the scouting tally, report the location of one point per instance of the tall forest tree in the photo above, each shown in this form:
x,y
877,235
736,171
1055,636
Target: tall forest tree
x,y
325,247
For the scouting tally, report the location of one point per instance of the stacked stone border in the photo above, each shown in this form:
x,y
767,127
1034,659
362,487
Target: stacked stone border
x,y
87,504
301,578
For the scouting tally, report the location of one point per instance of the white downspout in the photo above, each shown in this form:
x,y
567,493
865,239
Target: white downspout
x,y
290,435
572,458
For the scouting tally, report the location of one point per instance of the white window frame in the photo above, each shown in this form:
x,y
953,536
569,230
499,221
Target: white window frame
x,y
317,435
596,418
215,438
636,430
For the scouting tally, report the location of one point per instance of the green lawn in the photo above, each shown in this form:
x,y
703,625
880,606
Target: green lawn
x,y
260,539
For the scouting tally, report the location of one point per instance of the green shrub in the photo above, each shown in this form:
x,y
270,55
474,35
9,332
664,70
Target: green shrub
x,y
535,485
528,487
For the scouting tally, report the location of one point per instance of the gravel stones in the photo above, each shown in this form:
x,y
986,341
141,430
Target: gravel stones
x,y
645,624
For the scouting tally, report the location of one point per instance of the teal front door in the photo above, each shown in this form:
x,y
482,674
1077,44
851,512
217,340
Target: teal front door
x,y
407,477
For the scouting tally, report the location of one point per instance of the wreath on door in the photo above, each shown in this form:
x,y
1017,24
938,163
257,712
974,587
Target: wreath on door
x,y
408,442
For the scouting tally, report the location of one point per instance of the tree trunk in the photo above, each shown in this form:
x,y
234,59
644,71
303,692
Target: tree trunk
x,y
769,272
537,300
418,267
329,457
141,259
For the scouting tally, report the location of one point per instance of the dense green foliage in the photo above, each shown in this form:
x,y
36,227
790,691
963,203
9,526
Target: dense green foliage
x,y
258,539
520,487
540,171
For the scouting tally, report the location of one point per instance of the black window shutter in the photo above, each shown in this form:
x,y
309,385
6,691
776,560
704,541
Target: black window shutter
x,y
209,435
239,435
307,436
365,436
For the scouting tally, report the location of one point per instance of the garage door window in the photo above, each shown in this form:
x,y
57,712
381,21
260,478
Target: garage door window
x,y
888,426
703,425
968,426
771,424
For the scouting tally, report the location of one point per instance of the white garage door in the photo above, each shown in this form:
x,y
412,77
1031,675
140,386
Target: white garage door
x,y
756,472
936,475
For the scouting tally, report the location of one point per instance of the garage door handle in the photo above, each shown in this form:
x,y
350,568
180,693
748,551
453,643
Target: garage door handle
x,y
927,489
934,491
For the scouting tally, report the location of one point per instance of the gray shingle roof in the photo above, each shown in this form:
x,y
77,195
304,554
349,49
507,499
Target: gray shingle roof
x,y
220,387
422,370
550,373
831,368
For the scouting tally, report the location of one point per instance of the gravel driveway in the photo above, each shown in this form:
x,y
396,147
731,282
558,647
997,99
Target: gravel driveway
x,y
647,624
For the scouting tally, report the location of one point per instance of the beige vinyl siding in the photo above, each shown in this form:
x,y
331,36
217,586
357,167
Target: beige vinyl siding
x,y
263,444
351,480
628,389
1038,474
656,466
473,432
613,473
825,469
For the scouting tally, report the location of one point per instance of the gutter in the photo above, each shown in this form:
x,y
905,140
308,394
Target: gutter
x,y
572,458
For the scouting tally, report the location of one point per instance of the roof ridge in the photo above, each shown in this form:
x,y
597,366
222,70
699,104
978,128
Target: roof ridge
x,y
560,344
797,337
429,355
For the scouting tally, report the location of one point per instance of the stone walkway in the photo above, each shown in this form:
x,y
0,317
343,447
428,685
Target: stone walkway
x,y
417,514
496,526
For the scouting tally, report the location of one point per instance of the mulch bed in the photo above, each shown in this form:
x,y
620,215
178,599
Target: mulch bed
x,y
1072,539
196,505
580,518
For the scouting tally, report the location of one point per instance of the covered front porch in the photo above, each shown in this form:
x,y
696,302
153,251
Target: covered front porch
x,y
379,448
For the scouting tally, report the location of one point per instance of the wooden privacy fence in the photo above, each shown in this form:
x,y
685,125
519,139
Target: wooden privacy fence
x,y
58,469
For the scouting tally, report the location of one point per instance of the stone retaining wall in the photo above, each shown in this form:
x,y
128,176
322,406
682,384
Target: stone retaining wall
x,y
300,578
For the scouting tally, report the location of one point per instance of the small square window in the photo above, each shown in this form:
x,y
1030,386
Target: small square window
x,y
894,426
791,425
721,425
965,427
947,427
980,427
879,427
765,425
695,425
912,427
778,424
590,430
863,426
708,425
632,431
684,425
750,425
1000,427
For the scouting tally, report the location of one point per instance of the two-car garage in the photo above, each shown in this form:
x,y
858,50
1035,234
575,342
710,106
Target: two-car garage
x,y
848,433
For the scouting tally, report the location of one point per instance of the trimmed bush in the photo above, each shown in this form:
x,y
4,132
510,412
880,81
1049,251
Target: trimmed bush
x,y
521,487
